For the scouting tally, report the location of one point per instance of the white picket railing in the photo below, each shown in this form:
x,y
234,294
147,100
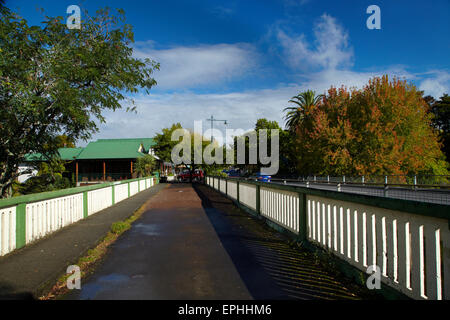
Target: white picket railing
x,y
411,250
394,241
99,199
42,217
120,192
223,186
134,188
7,230
281,207
232,189
247,195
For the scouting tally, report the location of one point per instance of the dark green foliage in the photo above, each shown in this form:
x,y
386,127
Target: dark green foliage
x,y
145,165
43,183
164,144
304,103
441,121
57,81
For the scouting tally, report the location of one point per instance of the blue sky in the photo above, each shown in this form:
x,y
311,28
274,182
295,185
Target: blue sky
x,y
243,60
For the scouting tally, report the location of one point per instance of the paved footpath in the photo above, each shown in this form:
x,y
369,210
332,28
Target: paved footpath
x,y
191,244
27,272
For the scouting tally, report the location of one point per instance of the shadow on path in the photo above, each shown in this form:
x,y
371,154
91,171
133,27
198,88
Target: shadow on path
x,y
269,267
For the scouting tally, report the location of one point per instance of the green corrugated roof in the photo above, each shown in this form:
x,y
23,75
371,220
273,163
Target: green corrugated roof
x,y
115,148
64,153
102,149
69,153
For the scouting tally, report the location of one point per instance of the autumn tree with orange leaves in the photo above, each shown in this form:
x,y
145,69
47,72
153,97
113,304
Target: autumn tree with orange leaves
x,y
382,129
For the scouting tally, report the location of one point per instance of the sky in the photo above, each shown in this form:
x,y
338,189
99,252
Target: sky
x,y
243,60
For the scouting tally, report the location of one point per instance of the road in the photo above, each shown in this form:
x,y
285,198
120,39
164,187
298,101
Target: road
x,y
422,195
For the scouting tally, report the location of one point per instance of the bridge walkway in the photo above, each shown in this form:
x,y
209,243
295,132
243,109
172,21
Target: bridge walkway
x,y
193,243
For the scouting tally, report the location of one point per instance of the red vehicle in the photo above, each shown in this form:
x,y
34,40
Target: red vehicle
x,y
185,176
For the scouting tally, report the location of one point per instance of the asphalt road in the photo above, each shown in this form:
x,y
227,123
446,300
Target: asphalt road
x,y
421,195
171,252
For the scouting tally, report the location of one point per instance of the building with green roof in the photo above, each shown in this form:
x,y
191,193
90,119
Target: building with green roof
x,y
66,154
104,159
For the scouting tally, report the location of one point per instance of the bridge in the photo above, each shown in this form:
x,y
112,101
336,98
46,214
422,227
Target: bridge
x,y
226,239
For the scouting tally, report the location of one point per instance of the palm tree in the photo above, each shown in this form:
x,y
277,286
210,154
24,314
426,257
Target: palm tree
x,y
305,102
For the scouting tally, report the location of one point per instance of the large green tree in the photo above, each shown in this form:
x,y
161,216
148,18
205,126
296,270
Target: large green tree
x,y
384,128
441,121
55,80
164,143
304,104
286,147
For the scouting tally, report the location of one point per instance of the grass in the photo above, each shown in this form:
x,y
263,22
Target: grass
x,y
93,256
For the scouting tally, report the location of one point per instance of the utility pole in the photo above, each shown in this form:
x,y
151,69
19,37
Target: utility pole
x,y
212,125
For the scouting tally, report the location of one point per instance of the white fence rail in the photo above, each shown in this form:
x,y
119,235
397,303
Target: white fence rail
x,y
281,207
45,217
134,188
120,192
99,200
223,186
412,250
232,189
394,241
247,195
7,230
28,218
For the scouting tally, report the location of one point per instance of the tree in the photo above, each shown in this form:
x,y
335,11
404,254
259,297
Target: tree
x,y
441,121
63,141
382,129
145,165
305,104
164,143
164,146
285,147
55,81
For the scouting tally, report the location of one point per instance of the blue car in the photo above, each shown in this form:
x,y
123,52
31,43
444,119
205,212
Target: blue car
x,y
263,177
232,173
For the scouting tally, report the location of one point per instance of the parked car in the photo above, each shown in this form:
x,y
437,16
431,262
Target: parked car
x,y
262,177
232,173
185,176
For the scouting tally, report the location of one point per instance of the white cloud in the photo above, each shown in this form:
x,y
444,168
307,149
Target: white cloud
x,y
158,111
329,50
321,81
203,65
241,109
324,62
222,11
437,84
